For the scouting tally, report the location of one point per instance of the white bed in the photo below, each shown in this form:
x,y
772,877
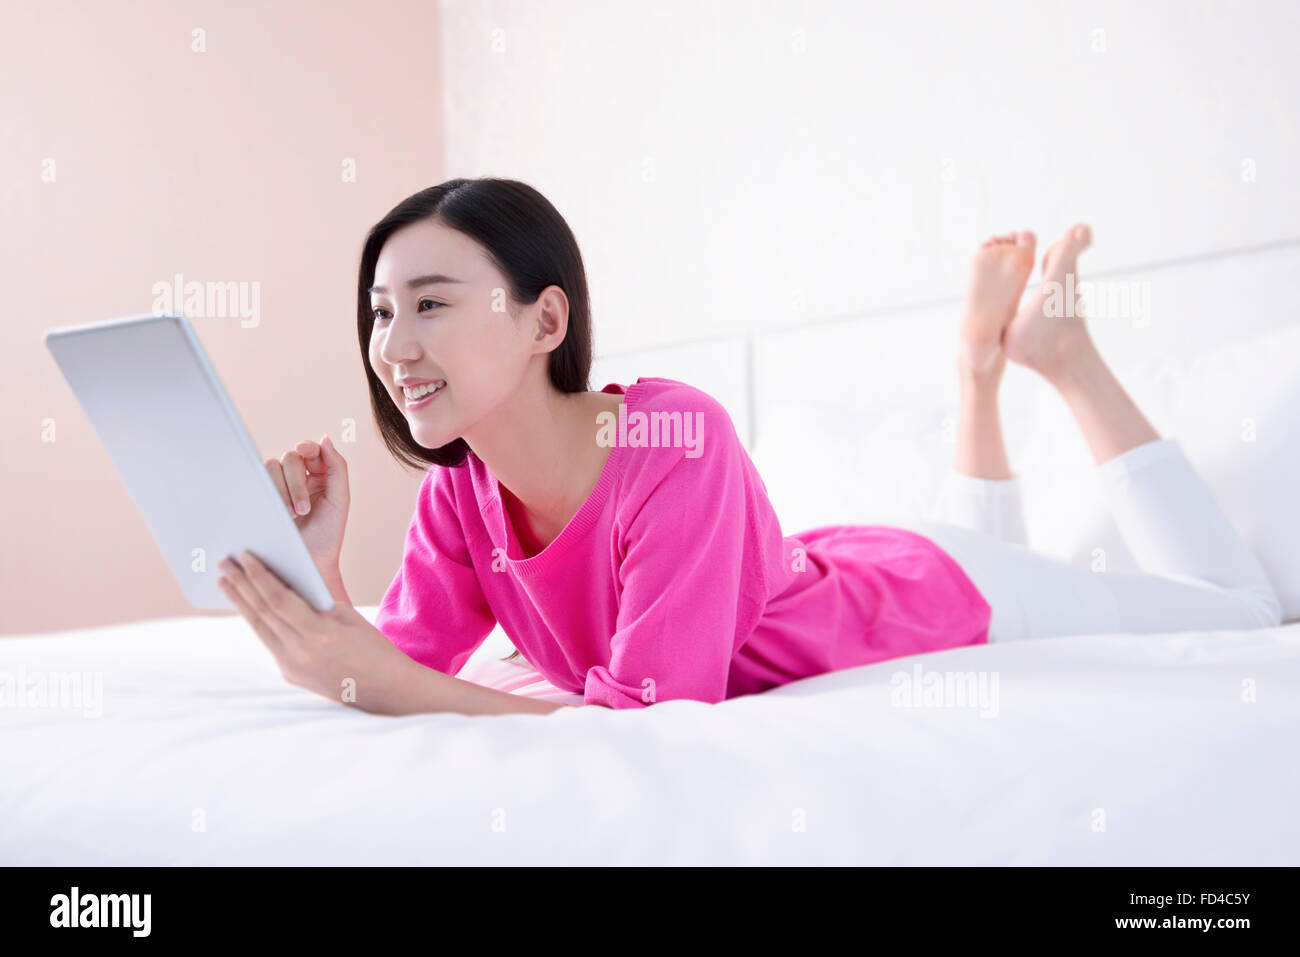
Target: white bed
x,y
1173,749
1138,750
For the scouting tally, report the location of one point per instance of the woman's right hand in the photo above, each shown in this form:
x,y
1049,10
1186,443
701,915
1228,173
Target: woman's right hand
x,y
315,474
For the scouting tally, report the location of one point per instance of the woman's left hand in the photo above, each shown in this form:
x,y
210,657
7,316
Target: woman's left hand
x,y
335,653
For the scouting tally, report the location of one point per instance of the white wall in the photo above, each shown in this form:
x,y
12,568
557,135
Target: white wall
x,y
777,201
225,141
733,166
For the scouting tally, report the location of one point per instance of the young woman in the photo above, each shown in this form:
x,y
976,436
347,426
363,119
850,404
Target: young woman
x,y
625,542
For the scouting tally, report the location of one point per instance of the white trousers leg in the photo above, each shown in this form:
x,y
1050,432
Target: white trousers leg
x,y
1197,573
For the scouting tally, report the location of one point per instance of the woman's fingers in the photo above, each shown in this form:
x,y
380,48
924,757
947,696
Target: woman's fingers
x,y
318,468
309,471
236,574
235,592
274,598
295,477
310,453
337,473
332,457
276,471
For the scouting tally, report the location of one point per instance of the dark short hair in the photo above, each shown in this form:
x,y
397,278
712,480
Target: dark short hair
x,y
528,241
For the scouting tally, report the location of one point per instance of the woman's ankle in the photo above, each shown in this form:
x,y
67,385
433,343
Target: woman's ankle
x,y
1076,366
976,382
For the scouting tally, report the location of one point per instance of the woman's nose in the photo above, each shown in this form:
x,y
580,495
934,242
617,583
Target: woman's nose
x,y
399,344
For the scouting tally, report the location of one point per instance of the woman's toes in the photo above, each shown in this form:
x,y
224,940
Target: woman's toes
x,y
1075,241
1066,250
1003,240
1036,336
998,275
1026,240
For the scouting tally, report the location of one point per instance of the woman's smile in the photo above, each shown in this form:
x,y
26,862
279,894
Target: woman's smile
x,y
420,403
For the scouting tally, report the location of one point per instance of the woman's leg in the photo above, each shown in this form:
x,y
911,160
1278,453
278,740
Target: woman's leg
x,y
1049,336
980,492
998,275
1198,574
1165,512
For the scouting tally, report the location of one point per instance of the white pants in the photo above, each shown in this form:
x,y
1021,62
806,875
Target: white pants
x,y
1197,573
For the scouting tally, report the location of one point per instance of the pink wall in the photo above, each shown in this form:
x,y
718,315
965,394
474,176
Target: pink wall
x,y
224,165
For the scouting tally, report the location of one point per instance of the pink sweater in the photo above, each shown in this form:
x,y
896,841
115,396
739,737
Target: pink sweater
x,y
673,580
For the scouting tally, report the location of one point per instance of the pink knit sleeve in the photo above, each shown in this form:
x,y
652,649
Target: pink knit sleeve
x,y
435,611
684,583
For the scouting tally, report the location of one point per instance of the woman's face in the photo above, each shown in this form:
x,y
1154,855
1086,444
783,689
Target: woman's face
x,y
440,314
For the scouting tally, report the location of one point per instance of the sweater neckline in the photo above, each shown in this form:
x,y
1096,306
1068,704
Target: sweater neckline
x,y
587,514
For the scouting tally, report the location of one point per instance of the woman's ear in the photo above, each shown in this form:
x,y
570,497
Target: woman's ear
x,y
552,315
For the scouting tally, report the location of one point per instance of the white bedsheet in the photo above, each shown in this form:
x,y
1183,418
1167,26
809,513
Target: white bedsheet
x,y
1139,750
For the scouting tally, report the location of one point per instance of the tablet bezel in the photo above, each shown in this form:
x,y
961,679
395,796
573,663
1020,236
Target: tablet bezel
x,y
279,543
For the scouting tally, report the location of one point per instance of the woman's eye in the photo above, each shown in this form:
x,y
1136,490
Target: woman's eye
x,y
378,318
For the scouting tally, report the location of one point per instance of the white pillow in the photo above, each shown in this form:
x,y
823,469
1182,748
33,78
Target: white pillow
x,y
1235,411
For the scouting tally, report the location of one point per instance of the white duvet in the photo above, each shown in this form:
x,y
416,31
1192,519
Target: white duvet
x,y
1140,750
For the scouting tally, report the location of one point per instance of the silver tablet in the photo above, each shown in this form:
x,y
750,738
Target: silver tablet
x,y
171,431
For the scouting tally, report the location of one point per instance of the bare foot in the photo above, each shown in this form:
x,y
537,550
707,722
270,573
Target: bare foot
x,y
1050,328
998,275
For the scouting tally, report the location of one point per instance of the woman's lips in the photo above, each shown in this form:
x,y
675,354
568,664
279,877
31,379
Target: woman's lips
x,y
412,404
